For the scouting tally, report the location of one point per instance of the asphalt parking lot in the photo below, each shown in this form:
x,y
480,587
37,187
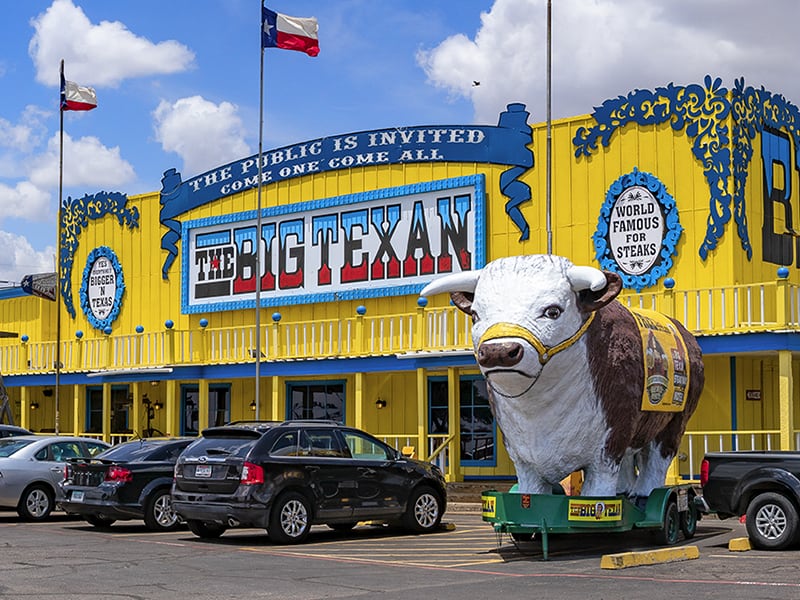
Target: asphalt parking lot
x,y
67,559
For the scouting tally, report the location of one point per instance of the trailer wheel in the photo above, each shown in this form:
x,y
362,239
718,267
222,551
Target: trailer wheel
x,y
668,535
772,521
689,521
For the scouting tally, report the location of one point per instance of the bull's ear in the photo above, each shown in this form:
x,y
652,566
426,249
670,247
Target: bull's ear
x,y
589,300
463,301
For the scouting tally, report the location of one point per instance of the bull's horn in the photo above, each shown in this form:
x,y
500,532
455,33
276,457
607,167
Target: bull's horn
x,y
581,278
455,282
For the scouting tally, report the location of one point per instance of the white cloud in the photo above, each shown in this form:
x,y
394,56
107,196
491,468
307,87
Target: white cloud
x,y
18,258
97,54
202,133
87,162
25,201
604,48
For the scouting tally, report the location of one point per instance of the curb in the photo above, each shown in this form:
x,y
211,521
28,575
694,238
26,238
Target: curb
x,y
650,557
741,544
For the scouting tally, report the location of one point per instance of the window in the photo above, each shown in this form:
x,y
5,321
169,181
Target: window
x,y
363,448
219,407
120,409
317,400
477,425
286,445
321,443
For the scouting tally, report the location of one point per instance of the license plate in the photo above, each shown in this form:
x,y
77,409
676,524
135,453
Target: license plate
x,y
202,471
77,497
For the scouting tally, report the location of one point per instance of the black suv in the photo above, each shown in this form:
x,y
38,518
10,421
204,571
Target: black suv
x,y
128,481
288,476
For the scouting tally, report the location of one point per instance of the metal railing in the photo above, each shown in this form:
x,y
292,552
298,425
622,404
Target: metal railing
x,y
696,444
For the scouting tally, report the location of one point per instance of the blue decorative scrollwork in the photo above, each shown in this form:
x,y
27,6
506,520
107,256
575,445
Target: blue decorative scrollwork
x,y
673,230
75,216
103,324
752,111
699,110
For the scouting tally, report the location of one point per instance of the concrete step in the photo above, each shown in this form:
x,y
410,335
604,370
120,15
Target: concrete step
x,y
470,491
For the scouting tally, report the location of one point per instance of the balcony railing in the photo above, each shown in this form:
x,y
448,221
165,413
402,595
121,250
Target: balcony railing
x,y
772,306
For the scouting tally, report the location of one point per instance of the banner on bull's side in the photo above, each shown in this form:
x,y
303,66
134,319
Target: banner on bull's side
x,y
387,242
665,362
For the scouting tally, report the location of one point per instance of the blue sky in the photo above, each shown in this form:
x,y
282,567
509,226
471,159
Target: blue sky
x,y
178,80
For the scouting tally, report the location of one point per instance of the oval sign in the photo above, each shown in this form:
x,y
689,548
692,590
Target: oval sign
x,y
637,230
102,287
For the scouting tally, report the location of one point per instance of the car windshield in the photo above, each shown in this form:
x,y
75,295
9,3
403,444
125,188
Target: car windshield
x,y
10,445
127,452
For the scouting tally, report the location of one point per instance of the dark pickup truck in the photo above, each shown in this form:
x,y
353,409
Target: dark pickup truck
x,y
763,486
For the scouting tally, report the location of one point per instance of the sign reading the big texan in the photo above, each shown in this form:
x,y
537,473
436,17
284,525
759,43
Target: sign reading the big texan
x,y
505,144
384,242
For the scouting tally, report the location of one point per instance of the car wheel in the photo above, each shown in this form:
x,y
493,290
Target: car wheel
x,y
290,520
771,521
159,514
36,503
668,535
98,521
424,512
205,529
342,526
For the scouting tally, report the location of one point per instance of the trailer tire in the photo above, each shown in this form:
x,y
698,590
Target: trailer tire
x,y
668,535
689,521
772,521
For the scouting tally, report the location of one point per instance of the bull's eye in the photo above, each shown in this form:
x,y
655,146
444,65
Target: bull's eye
x,y
552,312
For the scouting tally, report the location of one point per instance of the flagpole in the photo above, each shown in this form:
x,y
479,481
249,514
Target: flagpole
x,y
549,150
58,250
258,216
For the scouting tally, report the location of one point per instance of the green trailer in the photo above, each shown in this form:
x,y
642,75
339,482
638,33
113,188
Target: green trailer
x,y
668,510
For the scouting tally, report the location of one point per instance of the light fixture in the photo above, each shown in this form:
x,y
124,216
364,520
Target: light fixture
x,y
158,405
253,406
380,403
34,405
154,383
47,392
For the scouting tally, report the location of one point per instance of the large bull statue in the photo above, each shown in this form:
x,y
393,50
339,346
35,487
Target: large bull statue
x,y
576,380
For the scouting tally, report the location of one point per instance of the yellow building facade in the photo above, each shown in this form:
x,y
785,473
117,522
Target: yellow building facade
x,y
690,192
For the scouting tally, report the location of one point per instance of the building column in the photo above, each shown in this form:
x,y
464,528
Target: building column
x,y
78,410
277,413
454,424
172,427
359,407
422,414
24,407
786,406
202,405
107,412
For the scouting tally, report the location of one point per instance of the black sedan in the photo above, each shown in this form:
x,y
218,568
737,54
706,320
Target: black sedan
x,y
129,481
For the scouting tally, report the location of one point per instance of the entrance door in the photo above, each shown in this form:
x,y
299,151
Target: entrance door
x,y
478,428
219,407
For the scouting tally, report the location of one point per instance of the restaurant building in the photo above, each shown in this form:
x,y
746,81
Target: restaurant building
x,y
690,192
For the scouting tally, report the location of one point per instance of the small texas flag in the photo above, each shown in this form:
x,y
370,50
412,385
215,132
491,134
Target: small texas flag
x,y
76,97
289,33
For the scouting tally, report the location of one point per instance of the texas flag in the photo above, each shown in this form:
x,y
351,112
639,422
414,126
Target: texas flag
x,y
76,97
289,33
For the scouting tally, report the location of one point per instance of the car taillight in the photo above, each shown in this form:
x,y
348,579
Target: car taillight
x,y
67,471
703,473
252,474
117,473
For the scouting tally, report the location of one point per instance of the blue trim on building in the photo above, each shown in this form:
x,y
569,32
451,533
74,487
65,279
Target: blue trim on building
x,y
749,342
12,292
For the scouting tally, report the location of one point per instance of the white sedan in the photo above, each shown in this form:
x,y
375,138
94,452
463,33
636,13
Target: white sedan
x,y
31,468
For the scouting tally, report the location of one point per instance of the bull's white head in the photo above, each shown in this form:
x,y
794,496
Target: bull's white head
x,y
525,310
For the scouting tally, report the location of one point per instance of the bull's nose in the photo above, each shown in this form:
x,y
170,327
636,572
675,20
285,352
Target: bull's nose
x,y
499,354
